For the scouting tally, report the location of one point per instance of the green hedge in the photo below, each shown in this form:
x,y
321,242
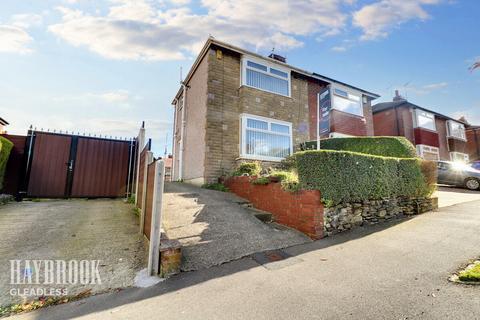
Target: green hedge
x,y
344,176
5,148
399,147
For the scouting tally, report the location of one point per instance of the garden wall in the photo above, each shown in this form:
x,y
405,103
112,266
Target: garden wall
x,y
302,210
346,216
305,212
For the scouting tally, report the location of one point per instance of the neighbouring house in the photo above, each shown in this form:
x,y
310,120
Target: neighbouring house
x,y
472,133
436,136
236,105
3,124
168,167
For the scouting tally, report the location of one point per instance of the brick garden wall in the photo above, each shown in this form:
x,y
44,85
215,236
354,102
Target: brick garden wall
x,y
302,210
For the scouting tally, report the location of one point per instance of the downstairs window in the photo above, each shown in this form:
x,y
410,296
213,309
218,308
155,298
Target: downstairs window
x,y
265,138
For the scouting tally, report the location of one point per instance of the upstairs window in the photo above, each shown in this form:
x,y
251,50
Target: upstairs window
x,y
456,130
264,138
425,120
266,77
347,102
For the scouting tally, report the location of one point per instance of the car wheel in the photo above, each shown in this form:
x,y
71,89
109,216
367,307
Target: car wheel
x,y
472,183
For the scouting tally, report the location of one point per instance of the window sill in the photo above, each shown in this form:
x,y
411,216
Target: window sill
x,y
457,138
259,158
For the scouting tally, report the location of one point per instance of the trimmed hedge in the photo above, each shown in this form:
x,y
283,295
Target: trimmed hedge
x,y
5,148
344,176
399,147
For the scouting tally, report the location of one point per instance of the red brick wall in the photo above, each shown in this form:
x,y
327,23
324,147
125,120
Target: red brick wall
x,y
313,89
473,143
302,210
385,123
441,126
347,123
426,137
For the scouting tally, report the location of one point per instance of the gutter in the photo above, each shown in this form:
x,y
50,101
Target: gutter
x,y
182,133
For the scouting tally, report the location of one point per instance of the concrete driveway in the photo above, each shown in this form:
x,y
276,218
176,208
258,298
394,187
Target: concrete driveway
x,y
213,228
105,230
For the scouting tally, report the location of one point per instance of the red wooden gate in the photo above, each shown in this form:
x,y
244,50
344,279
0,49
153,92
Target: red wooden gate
x,y
100,168
77,166
49,164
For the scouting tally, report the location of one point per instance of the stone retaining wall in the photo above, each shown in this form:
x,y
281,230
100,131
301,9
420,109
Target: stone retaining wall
x,y
346,216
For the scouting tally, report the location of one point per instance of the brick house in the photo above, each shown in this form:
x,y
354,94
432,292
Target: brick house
x,y
235,105
473,141
3,124
436,136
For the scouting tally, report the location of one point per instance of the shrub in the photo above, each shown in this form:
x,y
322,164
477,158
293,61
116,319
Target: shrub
x,y
288,180
399,147
5,148
261,180
215,186
248,168
343,176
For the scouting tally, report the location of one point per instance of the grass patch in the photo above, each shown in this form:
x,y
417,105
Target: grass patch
x,y
215,186
471,273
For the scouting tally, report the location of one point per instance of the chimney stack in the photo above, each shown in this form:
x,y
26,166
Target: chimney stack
x,y
398,97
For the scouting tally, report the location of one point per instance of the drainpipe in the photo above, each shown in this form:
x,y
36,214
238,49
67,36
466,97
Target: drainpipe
x,y
182,134
172,176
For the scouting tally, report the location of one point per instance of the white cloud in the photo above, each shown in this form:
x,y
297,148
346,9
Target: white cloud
x,y
121,98
339,49
26,20
471,115
422,89
377,19
142,30
14,39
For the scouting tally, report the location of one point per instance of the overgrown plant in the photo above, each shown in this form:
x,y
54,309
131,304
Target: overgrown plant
x,y
248,169
5,148
261,180
343,176
399,147
215,186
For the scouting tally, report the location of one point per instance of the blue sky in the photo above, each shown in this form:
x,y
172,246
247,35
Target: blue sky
x,y
102,67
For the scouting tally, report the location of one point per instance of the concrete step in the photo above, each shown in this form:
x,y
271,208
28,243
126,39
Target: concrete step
x,y
261,215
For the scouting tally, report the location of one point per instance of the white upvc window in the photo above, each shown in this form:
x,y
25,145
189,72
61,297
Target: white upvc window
x,y
428,152
425,120
459,156
265,76
264,138
456,130
347,100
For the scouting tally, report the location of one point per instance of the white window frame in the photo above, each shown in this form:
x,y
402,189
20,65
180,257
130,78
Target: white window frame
x,y
449,130
243,134
269,65
461,154
422,149
417,111
348,91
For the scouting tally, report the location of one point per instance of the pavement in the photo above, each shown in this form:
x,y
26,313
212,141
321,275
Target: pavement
x,y
449,196
103,229
394,270
213,228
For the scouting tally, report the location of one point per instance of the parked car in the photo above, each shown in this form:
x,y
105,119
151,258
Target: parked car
x,y
458,174
475,164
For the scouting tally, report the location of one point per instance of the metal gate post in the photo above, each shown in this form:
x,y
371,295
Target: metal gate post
x,y
155,231
141,143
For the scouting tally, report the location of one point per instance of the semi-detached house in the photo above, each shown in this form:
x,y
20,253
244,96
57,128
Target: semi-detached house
x,y
235,105
436,136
